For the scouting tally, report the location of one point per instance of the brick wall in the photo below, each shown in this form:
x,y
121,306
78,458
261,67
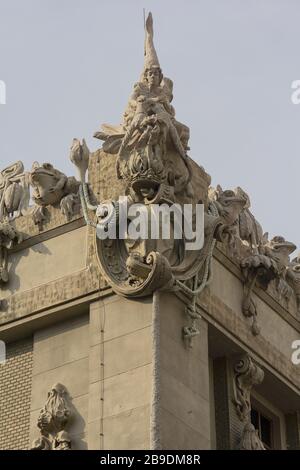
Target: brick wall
x,y
15,393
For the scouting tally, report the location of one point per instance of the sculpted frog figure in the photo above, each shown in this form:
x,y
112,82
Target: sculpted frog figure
x,y
52,187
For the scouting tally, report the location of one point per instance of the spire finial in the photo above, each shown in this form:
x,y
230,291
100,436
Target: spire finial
x,y
151,59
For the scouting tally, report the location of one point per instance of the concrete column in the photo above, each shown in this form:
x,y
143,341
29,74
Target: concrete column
x,y
184,380
146,389
120,372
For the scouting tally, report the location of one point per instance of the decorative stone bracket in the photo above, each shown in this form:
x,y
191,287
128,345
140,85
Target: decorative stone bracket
x,y
246,375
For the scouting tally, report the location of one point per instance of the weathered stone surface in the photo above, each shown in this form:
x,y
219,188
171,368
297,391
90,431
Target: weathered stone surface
x,y
140,372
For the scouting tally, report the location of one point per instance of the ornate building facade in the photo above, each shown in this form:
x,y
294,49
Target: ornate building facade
x,y
116,342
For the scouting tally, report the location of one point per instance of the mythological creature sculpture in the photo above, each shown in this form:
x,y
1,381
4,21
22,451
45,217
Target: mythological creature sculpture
x,y
151,148
151,158
150,131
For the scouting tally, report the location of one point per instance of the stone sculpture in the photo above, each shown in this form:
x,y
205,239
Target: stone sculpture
x,y
79,155
151,148
52,421
51,187
14,191
149,132
233,206
246,375
62,441
14,201
293,278
250,439
263,262
249,229
8,237
260,269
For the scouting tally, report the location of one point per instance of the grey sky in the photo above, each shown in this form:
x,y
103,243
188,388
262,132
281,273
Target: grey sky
x,y
69,65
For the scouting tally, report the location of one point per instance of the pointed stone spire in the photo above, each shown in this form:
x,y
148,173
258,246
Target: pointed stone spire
x,y
150,55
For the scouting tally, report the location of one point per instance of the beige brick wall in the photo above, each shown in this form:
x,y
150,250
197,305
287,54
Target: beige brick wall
x,y
15,393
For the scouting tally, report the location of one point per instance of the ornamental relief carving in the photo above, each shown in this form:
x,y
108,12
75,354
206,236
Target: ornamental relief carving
x,y
151,147
45,186
150,152
52,421
264,263
246,374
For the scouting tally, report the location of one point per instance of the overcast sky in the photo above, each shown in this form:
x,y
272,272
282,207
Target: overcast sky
x,y
69,65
